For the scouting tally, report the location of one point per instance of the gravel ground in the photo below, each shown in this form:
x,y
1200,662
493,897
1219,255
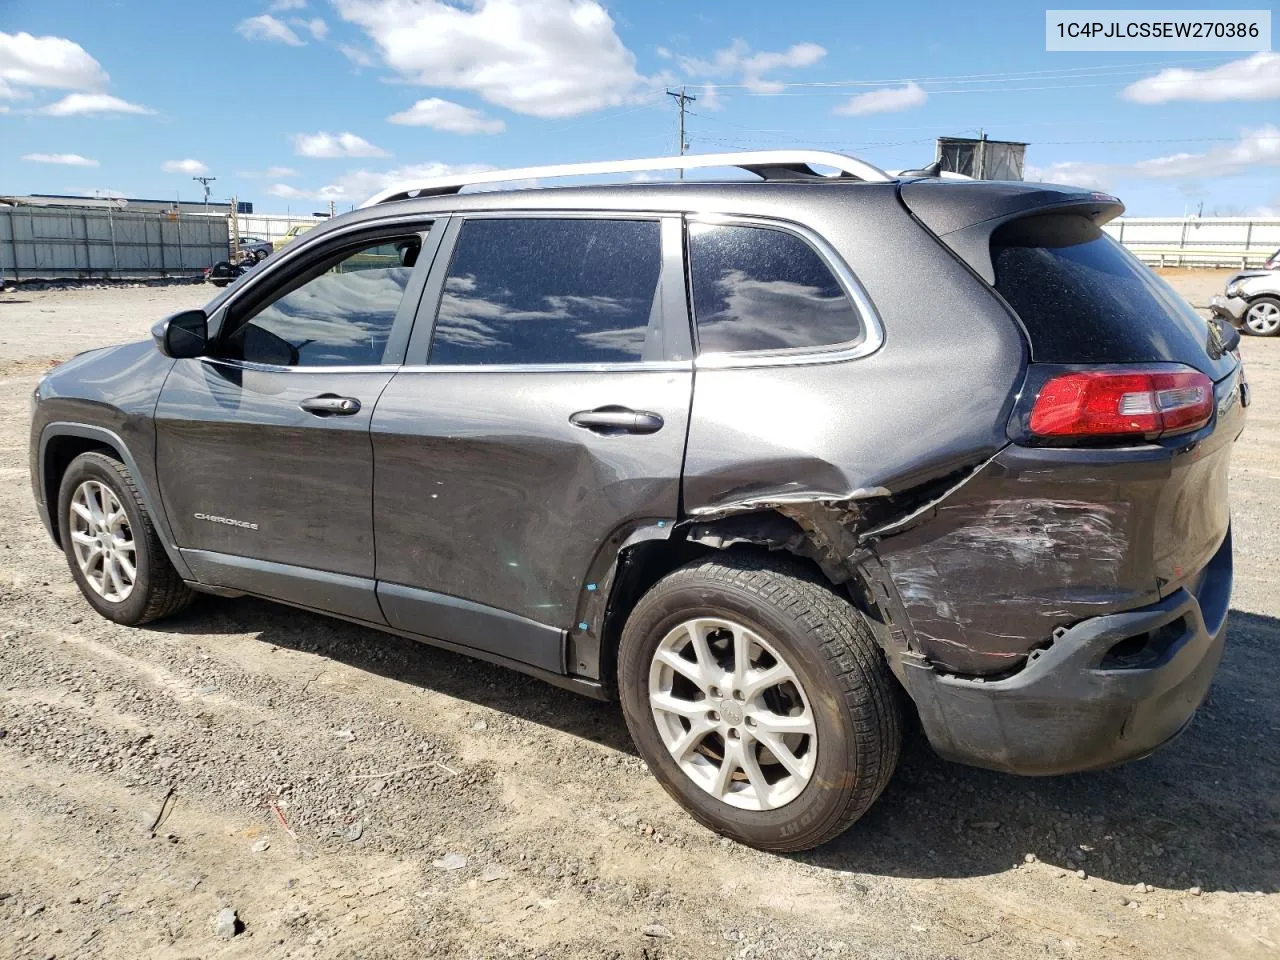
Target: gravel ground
x,y
246,780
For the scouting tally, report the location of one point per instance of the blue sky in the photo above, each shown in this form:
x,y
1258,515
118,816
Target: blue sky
x,y
292,103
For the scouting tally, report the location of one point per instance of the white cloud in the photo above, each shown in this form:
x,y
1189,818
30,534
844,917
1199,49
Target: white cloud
x,y
65,159
287,192
78,104
267,27
447,116
275,173
709,98
281,6
29,61
1073,173
357,186
1253,78
357,56
738,59
1259,147
192,168
318,28
886,100
552,58
328,145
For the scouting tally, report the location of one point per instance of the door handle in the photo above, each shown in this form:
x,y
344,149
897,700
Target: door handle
x,y
614,419
330,405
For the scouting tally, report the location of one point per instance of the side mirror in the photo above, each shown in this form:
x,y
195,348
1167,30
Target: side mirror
x,y
1230,335
182,335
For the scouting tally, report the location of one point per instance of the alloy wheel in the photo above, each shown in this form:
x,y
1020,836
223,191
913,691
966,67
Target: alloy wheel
x,y
103,541
733,714
1263,318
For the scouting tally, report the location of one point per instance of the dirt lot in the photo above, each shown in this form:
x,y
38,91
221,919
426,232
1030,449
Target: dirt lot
x,y
351,794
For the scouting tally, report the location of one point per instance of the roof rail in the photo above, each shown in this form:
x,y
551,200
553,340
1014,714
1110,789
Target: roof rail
x,y
767,164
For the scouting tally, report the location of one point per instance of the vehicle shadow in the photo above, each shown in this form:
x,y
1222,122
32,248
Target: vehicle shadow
x,y
1203,811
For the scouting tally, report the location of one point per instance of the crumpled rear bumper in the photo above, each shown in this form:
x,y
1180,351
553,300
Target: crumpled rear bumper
x,y
1109,689
1231,309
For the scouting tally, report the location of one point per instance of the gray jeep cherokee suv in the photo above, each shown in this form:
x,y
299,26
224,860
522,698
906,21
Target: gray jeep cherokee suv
x,y
769,462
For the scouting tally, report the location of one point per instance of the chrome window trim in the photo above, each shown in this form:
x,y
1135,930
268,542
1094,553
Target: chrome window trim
x,y
835,353
649,366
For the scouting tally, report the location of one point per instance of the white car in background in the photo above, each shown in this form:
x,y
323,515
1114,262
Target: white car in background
x,y
1251,300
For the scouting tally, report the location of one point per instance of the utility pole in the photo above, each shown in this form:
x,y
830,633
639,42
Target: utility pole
x,y
205,181
683,99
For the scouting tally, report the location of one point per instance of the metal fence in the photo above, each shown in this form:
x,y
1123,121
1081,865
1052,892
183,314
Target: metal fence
x,y
270,226
51,243
1199,241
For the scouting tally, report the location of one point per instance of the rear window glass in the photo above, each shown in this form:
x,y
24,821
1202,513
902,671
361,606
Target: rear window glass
x,y
548,291
756,288
1083,298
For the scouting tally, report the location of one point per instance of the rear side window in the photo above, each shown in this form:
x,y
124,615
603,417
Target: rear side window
x,y
548,291
756,288
1083,298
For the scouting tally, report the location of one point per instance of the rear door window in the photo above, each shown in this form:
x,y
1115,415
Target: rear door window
x,y
546,290
763,289
1083,298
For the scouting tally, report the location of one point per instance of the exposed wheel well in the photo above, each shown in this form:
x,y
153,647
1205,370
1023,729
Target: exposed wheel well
x,y
641,566
58,454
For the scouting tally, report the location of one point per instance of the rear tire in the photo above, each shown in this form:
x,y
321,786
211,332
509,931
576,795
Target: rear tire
x,y
1262,318
112,548
835,723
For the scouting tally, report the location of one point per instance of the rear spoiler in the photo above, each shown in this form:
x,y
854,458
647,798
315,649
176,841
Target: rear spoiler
x,y
963,215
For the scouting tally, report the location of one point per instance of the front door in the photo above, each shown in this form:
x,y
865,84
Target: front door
x,y
545,411
263,448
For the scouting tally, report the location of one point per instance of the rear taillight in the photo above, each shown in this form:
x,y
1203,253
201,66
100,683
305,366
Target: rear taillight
x,y
1116,403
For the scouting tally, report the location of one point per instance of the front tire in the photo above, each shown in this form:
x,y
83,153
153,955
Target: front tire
x,y
1262,318
760,700
112,548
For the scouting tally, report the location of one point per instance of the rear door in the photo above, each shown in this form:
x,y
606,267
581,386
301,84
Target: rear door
x,y
543,408
263,450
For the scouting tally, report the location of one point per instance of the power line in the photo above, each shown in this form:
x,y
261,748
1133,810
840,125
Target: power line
x,y
1004,76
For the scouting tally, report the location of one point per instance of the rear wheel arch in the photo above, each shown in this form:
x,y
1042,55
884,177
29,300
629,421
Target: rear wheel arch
x,y
764,534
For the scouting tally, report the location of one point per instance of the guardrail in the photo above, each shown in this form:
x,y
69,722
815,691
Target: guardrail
x,y
1235,242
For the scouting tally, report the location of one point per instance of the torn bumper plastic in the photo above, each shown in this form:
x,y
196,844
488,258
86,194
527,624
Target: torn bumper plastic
x,y
1109,689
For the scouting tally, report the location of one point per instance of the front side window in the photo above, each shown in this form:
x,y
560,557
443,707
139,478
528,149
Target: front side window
x,y
543,290
339,313
763,289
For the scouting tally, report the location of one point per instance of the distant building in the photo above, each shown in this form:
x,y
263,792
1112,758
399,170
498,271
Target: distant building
x,y
131,204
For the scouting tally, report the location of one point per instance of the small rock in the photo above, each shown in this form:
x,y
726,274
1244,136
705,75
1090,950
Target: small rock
x,y
354,832
733,936
657,931
451,861
227,924
262,846
32,911
346,735
495,872
1060,874
1125,901
1195,891
1029,858
1081,874
479,725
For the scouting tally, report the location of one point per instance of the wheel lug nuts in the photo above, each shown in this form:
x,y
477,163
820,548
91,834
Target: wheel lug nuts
x,y
738,695
714,691
713,717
